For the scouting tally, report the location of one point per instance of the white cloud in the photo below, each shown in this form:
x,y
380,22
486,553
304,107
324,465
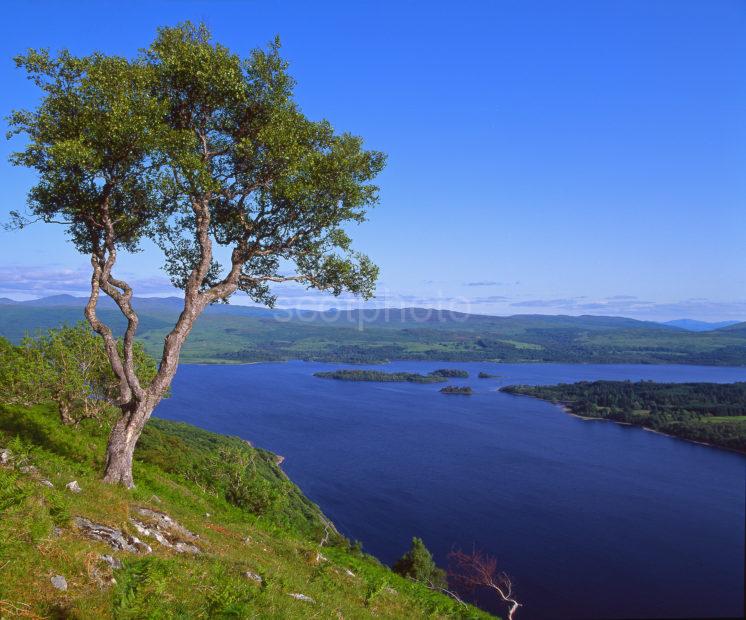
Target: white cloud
x,y
29,282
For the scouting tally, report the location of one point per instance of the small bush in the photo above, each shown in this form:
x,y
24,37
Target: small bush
x,y
418,564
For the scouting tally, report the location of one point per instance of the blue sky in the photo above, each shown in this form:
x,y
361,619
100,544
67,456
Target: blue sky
x,y
556,157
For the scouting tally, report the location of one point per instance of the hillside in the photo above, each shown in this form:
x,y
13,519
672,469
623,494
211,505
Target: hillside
x,y
218,549
230,334
699,326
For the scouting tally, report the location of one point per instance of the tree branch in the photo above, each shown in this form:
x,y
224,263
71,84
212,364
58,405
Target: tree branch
x,y
110,344
123,299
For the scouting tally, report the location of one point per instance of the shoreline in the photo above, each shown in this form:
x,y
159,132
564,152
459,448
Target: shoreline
x,y
226,362
566,409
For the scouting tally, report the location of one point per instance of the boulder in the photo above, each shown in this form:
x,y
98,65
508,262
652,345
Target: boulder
x,y
59,582
254,577
73,487
301,597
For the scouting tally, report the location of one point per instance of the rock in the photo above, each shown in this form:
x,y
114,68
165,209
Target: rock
x,y
4,456
301,597
163,522
103,575
182,547
348,572
73,487
146,531
254,577
113,537
390,590
165,530
279,460
46,483
56,532
28,469
59,582
115,563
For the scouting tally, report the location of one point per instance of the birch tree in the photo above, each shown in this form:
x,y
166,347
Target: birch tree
x,y
206,154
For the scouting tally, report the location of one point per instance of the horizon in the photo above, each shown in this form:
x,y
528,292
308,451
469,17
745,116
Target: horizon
x,y
363,309
599,173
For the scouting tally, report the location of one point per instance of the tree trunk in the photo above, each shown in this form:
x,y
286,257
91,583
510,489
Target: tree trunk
x,y
64,409
122,442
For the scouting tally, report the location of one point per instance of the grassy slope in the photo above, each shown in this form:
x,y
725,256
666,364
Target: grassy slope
x,y
281,546
231,334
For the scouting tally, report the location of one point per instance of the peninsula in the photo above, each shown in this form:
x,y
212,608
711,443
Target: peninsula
x,y
712,413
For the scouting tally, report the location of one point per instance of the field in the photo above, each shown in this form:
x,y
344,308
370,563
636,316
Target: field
x,y
235,334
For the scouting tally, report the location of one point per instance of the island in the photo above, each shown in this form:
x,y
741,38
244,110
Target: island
x,y
456,389
450,372
379,376
486,375
711,413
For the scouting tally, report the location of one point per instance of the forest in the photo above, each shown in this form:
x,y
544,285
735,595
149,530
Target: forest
x,y
713,413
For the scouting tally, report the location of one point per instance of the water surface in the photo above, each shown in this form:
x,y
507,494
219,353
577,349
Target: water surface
x,y
592,519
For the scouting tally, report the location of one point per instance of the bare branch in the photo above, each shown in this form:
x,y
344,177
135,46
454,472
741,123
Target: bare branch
x,y
475,570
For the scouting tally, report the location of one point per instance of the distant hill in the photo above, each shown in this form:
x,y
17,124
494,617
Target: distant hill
x,y
383,317
232,334
699,326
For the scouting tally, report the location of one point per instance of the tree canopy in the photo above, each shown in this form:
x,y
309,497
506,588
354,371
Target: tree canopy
x,y
206,154
186,141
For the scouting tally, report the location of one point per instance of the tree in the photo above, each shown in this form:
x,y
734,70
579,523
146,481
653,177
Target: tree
x,y
76,373
198,150
418,564
67,365
21,370
476,570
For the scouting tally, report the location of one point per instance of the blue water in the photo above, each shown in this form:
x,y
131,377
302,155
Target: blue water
x,y
591,519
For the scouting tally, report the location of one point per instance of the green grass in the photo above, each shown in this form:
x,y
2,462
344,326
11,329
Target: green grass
x,y
177,471
720,419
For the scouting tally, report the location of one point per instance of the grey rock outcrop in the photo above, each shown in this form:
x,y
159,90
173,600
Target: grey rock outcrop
x,y
116,539
167,531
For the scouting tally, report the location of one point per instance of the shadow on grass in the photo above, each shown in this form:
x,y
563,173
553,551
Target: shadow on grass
x,y
40,426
